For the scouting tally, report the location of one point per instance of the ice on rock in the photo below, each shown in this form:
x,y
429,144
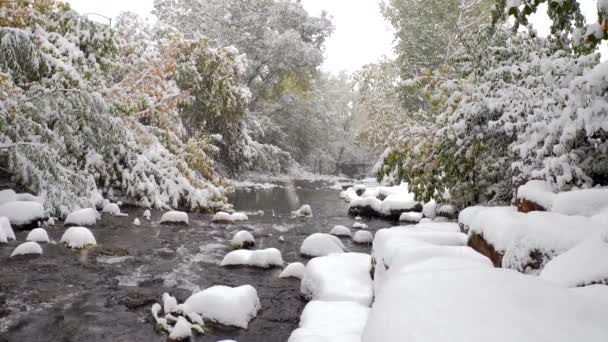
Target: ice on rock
x,y
341,231
78,237
295,270
319,244
27,248
243,239
261,258
7,195
331,321
38,235
82,217
112,209
195,318
363,237
339,277
359,225
136,222
6,231
304,211
174,217
182,330
169,303
22,213
223,217
147,214
410,217
234,306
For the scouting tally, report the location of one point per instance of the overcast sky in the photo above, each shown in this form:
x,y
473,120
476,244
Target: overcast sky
x,y
362,35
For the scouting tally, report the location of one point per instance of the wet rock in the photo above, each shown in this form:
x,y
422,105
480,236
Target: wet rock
x,y
478,243
525,206
136,298
155,282
165,253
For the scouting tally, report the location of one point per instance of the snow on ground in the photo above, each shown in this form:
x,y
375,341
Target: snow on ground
x,y
304,211
319,244
112,209
331,321
341,231
174,217
261,258
6,231
224,217
82,217
584,264
363,237
482,304
295,270
411,217
254,185
27,248
22,213
38,235
242,239
234,306
78,237
338,277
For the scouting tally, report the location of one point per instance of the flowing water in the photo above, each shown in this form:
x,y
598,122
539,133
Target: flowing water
x,y
105,293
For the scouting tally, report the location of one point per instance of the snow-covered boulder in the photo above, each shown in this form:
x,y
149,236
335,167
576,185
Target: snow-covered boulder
x,y
234,306
366,206
27,248
349,194
147,214
429,210
174,217
359,225
112,209
341,231
223,217
331,321
456,305
7,195
588,202
38,235
82,217
338,277
78,237
410,217
261,258
447,211
6,231
319,244
582,265
295,270
304,211
394,205
535,195
23,215
243,239
363,237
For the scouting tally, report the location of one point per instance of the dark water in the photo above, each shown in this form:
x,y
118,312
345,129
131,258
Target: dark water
x,y
67,295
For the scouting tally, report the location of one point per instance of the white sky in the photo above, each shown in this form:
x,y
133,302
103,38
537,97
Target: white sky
x,y
361,34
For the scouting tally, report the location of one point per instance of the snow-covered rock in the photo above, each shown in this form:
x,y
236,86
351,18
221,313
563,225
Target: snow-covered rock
x,y
359,225
304,211
588,202
7,195
411,217
535,195
78,237
169,303
136,222
338,277
319,244
6,231
112,209
234,306
38,235
456,305
584,264
365,206
243,239
173,217
447,210
223,217
331,321
181,331
23,214
394,205
27,248
50,221
147,214
341,231
27,197
295,270
261,258
363,237
82,217
429,210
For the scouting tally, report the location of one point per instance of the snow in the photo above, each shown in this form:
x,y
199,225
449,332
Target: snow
x,y
446,210
78,237
304,211
6,231
429,210
169,303
7,195
359,225
582,265
339,277
319,244
136,222
341,231
261,258
50,221
234,306
147,214
174,217
242,239
362,202
38,235
82,217
587,202
398,202
112,209
27,248
22,213
456,305
363,237
223,217
410,217
331,321
182,330
537,191
295,269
